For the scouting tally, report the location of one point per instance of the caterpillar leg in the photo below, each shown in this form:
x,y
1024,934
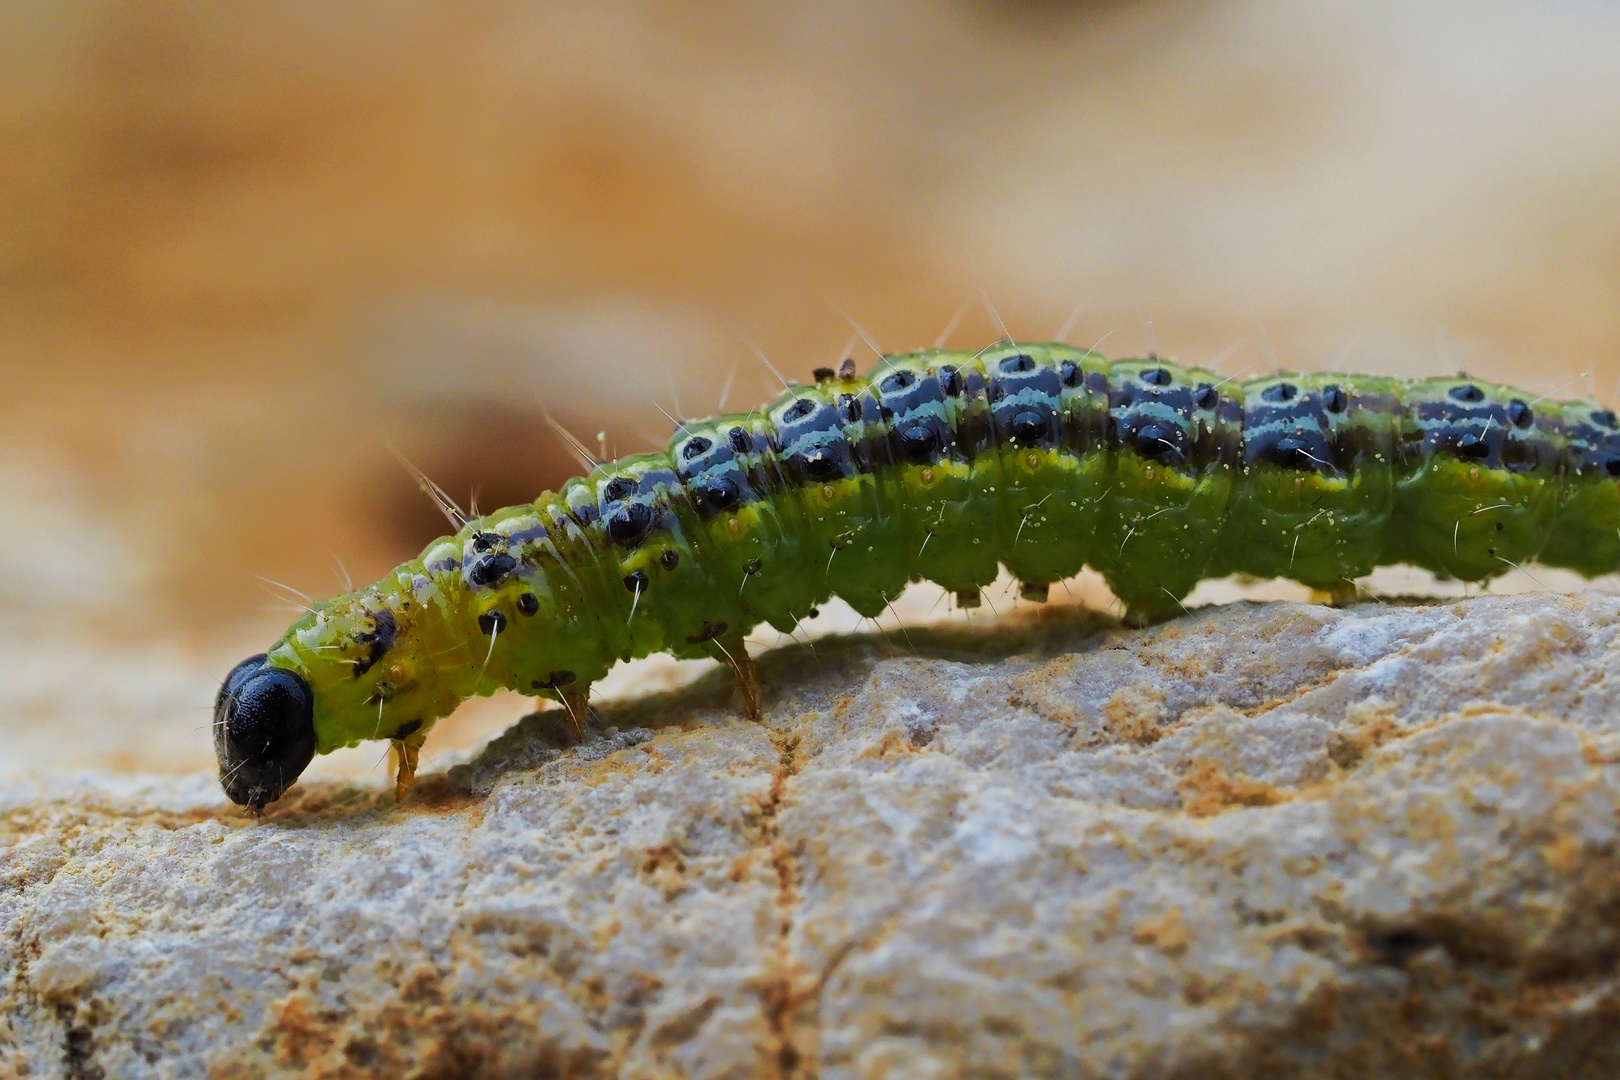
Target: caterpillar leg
x,y
1140,613
1343,593
405,753
733,652
1137,618
576,704
1034,590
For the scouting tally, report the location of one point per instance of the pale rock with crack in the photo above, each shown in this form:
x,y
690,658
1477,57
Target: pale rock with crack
x,y
1274,840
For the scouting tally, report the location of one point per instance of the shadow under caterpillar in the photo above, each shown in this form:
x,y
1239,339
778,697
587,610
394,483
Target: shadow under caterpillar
x,y
941,465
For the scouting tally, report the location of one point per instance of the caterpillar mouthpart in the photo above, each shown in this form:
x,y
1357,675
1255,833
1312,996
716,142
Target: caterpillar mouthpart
x,y
264,731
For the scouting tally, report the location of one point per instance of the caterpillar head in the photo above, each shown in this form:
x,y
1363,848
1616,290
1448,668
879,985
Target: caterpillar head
x,y
264,731
377,663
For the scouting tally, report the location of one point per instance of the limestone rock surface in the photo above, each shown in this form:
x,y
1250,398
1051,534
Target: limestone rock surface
x,y
1262,840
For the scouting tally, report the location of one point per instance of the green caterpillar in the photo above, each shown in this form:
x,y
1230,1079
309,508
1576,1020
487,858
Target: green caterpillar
x,y
941,465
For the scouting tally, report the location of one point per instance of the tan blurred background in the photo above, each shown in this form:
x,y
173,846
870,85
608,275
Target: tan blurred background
x,y
247,248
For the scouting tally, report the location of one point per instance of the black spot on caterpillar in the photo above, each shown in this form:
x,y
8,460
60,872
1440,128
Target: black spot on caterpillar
x,y
946,466
377,640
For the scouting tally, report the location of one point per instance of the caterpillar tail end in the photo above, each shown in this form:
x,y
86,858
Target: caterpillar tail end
x,y
406,753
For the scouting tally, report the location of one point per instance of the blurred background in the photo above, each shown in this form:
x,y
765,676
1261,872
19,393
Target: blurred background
x,y
245,249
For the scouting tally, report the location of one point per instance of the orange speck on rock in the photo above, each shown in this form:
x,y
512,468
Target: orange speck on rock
x,y
1207,789
1169,933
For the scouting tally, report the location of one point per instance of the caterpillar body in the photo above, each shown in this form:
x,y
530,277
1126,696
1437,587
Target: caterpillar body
x,y
941,465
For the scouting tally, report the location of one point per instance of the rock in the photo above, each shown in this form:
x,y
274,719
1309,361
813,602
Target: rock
x,y
1263,840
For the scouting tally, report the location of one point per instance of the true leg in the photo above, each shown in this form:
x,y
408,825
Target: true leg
x,y
405,753
734,653
576,703
1342,593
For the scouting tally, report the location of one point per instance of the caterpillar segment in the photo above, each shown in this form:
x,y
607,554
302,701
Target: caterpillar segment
x,y
943,466
1319,468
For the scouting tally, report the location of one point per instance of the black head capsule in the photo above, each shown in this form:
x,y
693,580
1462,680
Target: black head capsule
x,y
264,731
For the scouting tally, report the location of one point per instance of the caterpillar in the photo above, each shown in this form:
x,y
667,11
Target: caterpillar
x,y
941,465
